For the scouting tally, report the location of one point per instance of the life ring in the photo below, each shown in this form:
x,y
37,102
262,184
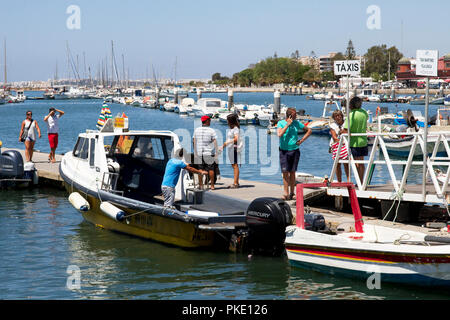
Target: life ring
x,y
378,111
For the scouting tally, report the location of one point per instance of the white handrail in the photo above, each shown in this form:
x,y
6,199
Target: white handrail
x,y
379,145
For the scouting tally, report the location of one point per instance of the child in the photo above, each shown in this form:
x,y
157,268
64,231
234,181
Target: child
x,y
172,174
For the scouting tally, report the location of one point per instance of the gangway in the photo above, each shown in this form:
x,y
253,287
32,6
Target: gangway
x,y
431,190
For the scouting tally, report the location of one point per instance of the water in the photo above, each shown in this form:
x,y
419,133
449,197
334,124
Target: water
x,y
41,235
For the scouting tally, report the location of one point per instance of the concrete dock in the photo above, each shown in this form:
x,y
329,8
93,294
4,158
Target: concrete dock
x,y
249,190
48,172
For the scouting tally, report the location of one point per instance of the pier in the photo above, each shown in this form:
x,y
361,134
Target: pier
x,y
316,200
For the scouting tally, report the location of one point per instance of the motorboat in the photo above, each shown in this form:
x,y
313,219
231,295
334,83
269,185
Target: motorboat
x,y
114,180
14,173
374,98
207,107
361,250
185,107
169,106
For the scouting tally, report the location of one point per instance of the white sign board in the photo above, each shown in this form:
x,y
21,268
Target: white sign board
x,y
427,63
347,67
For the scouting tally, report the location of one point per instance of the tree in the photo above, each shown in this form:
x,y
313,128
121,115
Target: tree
x,y
312,75
379,59
350,53
216,76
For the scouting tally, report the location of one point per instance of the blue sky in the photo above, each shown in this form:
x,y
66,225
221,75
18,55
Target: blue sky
x,y
206,36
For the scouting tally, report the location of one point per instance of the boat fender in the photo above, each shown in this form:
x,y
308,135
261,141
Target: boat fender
x,y
79,202
112,211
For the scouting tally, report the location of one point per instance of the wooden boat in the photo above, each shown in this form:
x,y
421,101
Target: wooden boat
x,y
395,255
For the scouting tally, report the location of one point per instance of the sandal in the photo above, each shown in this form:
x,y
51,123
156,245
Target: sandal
x,y
233,186
285,198
292,196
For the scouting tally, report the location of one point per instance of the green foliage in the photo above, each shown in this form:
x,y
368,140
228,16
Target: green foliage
x,y
377,61
270,71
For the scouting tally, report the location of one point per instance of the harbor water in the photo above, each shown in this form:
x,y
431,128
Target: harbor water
x,y
43,240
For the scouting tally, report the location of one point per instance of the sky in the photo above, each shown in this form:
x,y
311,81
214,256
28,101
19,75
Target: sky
x,y
205,37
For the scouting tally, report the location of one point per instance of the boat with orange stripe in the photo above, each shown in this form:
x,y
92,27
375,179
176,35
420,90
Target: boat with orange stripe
x,y
396,255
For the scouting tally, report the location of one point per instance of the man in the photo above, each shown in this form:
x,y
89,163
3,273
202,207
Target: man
x,y
358,124
172,174
52,120
288,131
205,144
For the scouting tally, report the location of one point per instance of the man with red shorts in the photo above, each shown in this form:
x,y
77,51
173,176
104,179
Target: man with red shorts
x,y
52,120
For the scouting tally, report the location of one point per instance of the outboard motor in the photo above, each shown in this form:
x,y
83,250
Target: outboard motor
x,y
11,165
267,219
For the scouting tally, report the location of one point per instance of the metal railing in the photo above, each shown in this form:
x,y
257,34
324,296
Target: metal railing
x,y
437,138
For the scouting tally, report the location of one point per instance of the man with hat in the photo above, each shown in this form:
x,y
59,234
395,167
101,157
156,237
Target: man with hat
x,y
205,143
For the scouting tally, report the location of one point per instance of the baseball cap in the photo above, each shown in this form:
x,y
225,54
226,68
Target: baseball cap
x,y
204,118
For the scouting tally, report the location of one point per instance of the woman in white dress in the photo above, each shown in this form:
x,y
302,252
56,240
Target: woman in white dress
x,y
30,126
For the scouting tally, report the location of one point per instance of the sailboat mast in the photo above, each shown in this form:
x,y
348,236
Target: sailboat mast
x,y
6,78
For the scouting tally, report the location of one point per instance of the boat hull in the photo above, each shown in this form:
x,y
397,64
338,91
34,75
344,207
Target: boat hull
x,y
147,225
354,256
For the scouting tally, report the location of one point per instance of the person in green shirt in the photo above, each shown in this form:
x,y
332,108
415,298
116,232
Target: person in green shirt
x,y
358,124
288,131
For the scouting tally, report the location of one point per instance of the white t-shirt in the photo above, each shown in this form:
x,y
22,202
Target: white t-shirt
x,y
32,130
230,137
336,129
52,124
204,137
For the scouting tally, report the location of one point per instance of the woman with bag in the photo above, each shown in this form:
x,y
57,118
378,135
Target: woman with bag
x,y
28,135
336,128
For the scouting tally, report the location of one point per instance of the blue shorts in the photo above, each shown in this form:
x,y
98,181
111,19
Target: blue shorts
x,y
359,151
289,160
29,139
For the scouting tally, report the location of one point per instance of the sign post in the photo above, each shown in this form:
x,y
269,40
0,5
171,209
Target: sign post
x,y
427,65
347,68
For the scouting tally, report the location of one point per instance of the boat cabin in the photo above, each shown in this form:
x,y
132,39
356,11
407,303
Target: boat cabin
x,y
130,164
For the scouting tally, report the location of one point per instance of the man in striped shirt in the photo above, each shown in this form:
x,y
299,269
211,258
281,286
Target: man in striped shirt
x,y
205,143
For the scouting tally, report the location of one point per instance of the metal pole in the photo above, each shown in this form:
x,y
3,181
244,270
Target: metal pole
x,y
348,127
425,140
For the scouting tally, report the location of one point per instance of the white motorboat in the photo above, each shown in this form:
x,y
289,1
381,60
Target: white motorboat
x,y
169,106
185,107
114,179
364,250
207,106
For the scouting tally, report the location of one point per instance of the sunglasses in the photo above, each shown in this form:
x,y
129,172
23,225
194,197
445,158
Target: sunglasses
x,y
29,114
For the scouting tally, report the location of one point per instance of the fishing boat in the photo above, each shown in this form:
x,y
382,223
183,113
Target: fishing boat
x,y
363,250
114,179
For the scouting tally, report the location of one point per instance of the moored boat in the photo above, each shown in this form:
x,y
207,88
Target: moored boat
x,y
114,177
395,255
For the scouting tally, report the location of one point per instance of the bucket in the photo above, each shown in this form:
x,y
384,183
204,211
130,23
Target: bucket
x,y
194,196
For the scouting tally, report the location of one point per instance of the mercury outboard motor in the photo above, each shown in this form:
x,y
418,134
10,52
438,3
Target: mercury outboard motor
x,y
267,219
11,165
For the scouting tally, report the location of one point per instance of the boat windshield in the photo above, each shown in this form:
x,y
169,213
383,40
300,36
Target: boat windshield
x,y
213,104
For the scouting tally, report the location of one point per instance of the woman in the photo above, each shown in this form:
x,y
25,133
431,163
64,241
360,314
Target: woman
x,y
234,144
336,129
288,131
28,135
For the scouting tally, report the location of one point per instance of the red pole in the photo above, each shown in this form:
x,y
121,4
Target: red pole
x,y
355,209
300,217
